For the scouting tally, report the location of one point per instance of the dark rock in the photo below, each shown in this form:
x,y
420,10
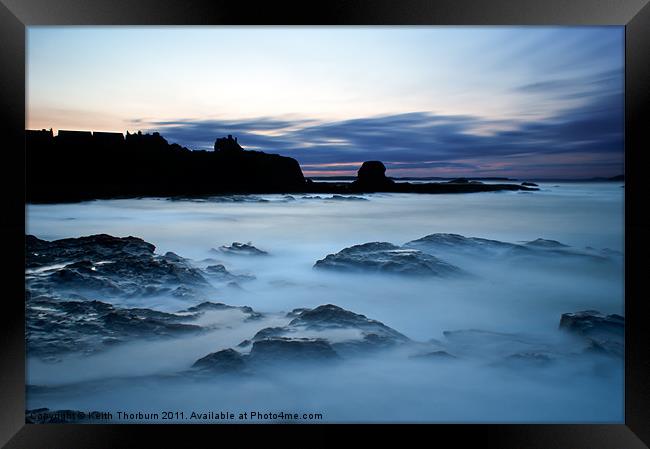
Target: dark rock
x,y
435,355
372,334
220,273
56,327
242,249
329,316
372,176
282,350
347,198
544,243
173,257
183,292
227,360
485,343
279,345
93,248
295,312
385,257
529,184
536,359
554,252
111,266
602,333
61,170
211,306
441,242
269,332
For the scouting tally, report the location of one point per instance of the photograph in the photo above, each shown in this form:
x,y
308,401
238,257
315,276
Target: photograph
x,y
325,224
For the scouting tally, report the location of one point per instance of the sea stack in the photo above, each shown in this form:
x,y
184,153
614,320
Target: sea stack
x,y
372,176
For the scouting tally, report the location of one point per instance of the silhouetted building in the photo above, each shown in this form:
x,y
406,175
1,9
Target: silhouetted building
x,y
74,138
39,137
104,138
82,165
227,145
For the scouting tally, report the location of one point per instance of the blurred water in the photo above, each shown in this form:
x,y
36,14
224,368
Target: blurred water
x,y
297,232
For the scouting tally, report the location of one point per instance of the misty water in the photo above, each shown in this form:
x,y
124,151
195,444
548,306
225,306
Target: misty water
x,y
297,231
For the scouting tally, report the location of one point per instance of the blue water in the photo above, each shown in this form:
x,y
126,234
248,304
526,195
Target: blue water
x,y
297,232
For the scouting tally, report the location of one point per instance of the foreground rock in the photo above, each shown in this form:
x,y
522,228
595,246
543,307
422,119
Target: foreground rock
x,y
441,244
327,333
427,256
56,327
224,361
107,265
83,326
382,257
245,249
597,334
220,273
207,306
602,333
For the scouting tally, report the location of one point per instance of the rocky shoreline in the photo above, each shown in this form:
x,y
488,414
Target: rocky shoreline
x,y
80,166
74,286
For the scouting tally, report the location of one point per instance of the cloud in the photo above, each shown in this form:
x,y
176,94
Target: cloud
x,y
585,139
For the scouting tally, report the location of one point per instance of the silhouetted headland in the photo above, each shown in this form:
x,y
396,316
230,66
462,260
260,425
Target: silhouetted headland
x,y
83,165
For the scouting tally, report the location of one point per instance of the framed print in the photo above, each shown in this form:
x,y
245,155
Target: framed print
x,y
355,217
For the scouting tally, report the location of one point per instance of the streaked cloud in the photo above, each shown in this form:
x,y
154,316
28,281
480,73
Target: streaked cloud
x,y
426,100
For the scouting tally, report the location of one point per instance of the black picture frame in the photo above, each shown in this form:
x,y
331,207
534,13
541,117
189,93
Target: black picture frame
x,y
16,15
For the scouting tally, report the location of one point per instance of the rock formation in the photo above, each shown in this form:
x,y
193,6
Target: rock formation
x,y
82,165
383,257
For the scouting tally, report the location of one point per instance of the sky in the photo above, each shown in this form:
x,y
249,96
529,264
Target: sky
x,y
529,102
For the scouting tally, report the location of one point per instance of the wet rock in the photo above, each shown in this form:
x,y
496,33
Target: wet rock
x,y
56,327
347,198
219,272
531,359
529,184
346,331
95,248
554,252
227,360
477,343
173,257
325,333
218,306
270,332
330,316
602,333
435,355
282,350
295,312
244,344
382,257
106,265
246,249
544,243
441,242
